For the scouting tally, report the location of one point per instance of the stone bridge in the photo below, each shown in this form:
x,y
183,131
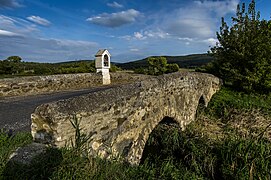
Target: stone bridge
x,y
121,119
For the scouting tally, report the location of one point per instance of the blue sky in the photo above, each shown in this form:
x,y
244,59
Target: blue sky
x,y
62,30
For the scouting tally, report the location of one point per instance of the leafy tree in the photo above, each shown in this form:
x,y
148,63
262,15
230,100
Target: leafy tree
x,y
15,59
11,65
243,54
157,65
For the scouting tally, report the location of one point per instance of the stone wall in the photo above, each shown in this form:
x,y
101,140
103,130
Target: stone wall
x,y
22,86
120,119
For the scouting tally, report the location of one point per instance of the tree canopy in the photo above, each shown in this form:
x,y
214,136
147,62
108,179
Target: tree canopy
x,y
15,59
158,66
243,53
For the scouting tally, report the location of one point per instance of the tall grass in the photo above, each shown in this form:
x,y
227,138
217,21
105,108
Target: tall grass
x,y
9,143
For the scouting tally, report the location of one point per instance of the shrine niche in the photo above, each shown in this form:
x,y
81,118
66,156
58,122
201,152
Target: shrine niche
x,y
102,64
106,60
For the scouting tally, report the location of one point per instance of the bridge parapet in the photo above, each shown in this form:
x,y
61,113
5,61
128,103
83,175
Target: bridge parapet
x,y
120,119
30,85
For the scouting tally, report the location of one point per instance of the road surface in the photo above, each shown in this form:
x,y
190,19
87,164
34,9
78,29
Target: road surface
x,y
15,112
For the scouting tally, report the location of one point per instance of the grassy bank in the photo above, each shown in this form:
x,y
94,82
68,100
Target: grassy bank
x,y
229,140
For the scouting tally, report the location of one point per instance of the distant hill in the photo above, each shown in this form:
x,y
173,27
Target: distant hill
x,y
71,62
188,61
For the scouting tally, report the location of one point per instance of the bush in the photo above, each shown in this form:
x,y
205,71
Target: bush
x,y
172,68
114,68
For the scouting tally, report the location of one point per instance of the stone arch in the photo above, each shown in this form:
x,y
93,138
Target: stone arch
x,y
163,126
139,143
202,101
202,104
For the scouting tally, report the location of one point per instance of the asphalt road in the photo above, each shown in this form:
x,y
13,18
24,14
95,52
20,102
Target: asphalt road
x,y
15,112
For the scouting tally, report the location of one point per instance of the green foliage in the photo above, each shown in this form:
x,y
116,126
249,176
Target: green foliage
x,y
226,101
172,68
114,68
233,157
15,59
79,143
9,143
243,54
245,158
141,71
158,66
76,67
13,66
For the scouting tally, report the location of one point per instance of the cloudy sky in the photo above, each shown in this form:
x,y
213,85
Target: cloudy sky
x,y
61,30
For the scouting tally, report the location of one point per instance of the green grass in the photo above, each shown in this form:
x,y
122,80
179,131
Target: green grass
x,y
226,101
9,143
212,147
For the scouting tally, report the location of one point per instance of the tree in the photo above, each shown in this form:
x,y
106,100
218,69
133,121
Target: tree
x,y
243,54
15,59
157,65
11,65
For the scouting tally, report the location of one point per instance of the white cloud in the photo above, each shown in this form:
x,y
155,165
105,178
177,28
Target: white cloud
x,y
139,36
9,4
39,20
126,37
115,5
191,23
197,20
17,25
186,39
147,34
46,50
211,41
156,34
221,8
115,19
21,37
7,33
134,50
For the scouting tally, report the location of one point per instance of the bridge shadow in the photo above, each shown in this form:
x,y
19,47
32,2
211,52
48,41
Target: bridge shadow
x,y
201,106
163,142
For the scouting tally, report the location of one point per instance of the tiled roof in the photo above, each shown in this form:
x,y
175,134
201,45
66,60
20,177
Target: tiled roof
x,y
100,52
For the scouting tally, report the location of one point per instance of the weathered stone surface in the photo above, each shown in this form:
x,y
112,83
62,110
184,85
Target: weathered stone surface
x,y
44,84
120,119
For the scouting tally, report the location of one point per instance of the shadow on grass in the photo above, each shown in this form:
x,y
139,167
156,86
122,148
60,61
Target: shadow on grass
x,y
41,167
